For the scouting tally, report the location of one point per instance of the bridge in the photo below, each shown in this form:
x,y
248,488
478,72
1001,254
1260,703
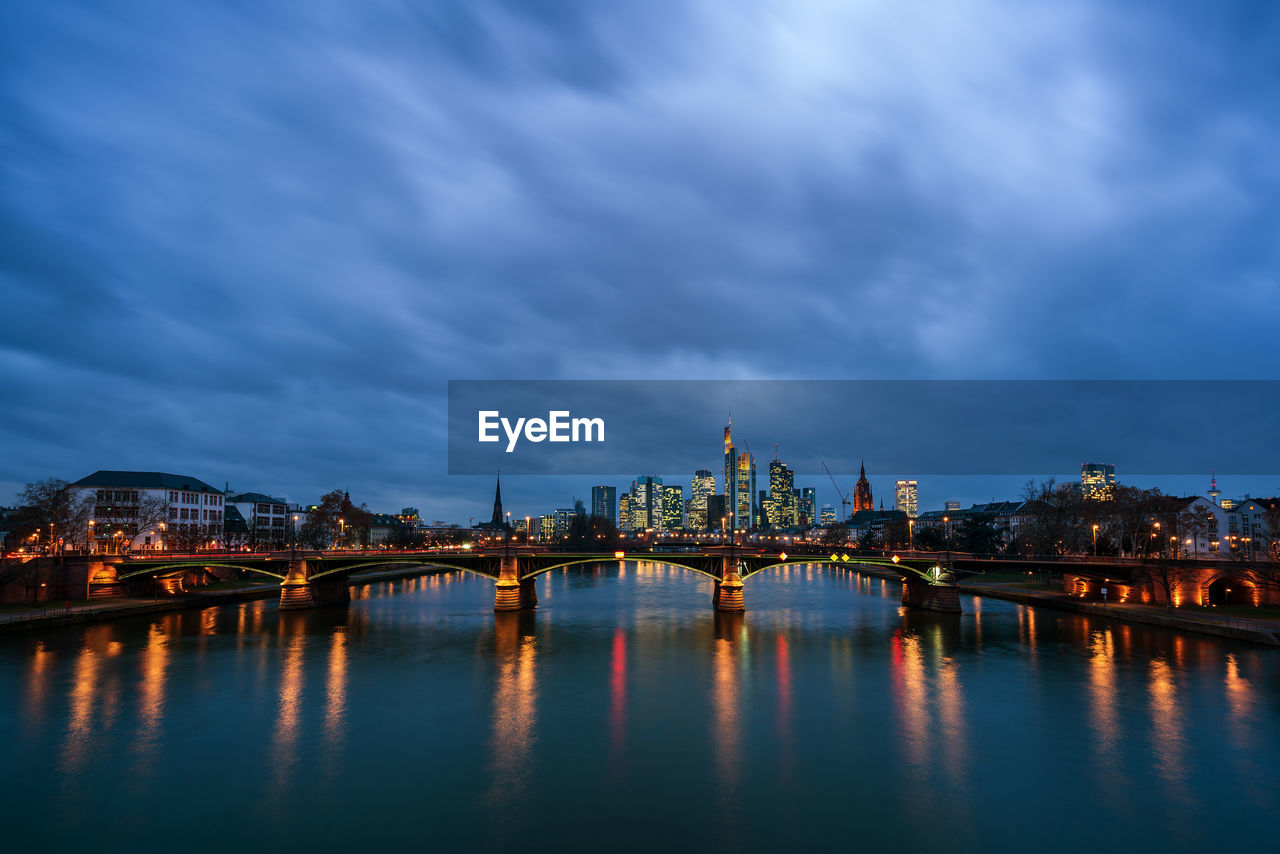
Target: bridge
x,y
310,579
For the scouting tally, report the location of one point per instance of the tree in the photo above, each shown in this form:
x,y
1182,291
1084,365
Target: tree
x,y
54,510
897,534
835,535
1054,512
336,521
929,539
977,534
869,541
591,532
191,537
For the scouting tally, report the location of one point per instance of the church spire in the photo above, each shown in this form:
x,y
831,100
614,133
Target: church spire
x,y
497,503
862,492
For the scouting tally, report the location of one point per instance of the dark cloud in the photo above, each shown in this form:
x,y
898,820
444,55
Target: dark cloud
x,y
253,243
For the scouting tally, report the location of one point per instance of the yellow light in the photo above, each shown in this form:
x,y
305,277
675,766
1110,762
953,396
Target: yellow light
x,y
895,558
619,554
782,555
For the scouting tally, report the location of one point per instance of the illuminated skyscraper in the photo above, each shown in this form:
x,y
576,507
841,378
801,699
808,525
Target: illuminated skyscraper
x,y
828,514
1098,480
704,486
906,497
744,512
730,471
782,495
673,507
646,502
808,503
862,492
624,513
603,501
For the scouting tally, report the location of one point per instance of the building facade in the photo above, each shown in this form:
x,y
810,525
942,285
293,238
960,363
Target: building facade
x,y
906,497
1098,480
150,511
603,501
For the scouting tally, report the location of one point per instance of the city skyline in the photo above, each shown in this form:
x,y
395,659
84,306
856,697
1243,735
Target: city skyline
x,y
265,287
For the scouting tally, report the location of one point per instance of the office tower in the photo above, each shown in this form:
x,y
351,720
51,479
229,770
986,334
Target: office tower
x,y
764,509
704,486
578,509
744,512
562,519
951,506
808,505
547,527
673,507
624,513
782,495
828,514
906,497
730,471
646,502
862,492
603,501
1098,480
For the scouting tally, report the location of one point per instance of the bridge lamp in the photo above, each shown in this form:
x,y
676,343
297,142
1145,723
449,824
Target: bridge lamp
x,y
895,558
782,555
619,554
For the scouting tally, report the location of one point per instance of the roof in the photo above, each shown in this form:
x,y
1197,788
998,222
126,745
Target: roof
x,y
233,521
254,498
145,480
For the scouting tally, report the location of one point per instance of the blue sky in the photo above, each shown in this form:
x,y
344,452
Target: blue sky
x,y
252,242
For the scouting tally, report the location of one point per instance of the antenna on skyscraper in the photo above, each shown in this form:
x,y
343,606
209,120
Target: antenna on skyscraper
x,y
775,450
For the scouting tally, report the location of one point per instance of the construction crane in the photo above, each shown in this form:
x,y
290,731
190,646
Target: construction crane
x,y
844,496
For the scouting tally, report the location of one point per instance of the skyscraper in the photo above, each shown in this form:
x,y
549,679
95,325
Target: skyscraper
x,y
673,507
1098,480
730,471
646,502
808,504
862,492
906,497
782,495
744,512
624,513
704,486
828,514
603,501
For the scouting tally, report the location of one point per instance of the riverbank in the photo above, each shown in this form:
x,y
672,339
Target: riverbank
x,y
1257,631
111,609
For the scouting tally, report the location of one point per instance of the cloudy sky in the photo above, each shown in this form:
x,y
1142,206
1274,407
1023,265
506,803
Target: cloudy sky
x,y
252,242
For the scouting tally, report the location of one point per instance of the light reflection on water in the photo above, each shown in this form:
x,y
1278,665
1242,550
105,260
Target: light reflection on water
x,y
825,703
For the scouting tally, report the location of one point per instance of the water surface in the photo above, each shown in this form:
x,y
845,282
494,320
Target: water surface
x,y
625,713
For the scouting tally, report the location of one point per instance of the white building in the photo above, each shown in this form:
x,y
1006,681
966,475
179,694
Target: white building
x,y
266,518
151,510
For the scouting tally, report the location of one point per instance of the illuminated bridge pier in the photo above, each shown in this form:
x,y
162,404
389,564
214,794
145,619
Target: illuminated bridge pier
x,y
311,579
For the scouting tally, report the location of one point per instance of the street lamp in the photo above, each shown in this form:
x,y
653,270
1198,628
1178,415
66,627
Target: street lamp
x,y
342,531
1095,539
89,546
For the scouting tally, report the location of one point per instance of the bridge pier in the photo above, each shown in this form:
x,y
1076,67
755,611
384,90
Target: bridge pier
x,y
920,594
299,591
727,595
512,594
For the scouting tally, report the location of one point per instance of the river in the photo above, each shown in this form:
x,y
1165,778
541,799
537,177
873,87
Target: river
x,y
624,714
